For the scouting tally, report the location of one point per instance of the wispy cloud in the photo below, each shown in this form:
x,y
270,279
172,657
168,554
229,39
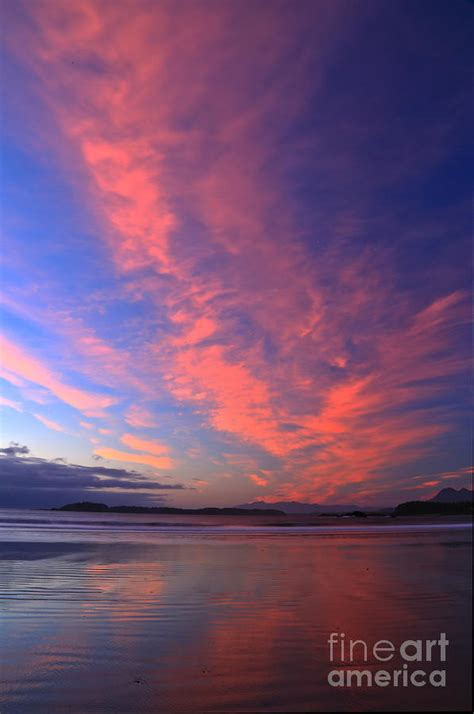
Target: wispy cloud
x,y
50,424
236,198
140,417
149,447
157,462
5,402
22,364
258,480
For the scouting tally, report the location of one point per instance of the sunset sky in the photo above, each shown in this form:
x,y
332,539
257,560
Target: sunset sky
x,y
235,251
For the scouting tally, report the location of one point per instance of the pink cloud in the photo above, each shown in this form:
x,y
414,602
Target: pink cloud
x,y
140,417
17,361
258,480
261,347
200,484
11,404
157,462
50,424
150,447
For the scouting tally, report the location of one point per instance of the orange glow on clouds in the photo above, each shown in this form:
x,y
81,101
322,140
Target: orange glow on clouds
x,y
150,447
158,462
312,361
17,362
258,480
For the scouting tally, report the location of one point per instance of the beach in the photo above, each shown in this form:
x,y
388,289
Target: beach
x,y
190,614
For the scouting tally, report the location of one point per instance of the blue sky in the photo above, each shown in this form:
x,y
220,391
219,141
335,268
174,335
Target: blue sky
x,y
235,250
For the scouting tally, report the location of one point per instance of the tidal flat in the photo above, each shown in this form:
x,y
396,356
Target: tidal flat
x,y
139,614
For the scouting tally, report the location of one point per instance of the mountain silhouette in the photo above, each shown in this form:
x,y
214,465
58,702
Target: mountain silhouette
x,y
299,507
450,495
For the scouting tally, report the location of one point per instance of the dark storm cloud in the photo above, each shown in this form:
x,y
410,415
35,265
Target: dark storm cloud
x,y
14,449
30,472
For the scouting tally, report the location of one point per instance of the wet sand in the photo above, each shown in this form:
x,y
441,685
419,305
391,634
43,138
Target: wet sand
x,y
231,618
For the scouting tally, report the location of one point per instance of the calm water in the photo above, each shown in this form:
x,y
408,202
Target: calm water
x,y
190,614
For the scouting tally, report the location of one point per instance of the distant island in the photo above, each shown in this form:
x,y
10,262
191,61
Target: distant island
x,y
91,507
447,502
297,507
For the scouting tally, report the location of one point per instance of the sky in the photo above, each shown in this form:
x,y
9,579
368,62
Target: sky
x,y
235,242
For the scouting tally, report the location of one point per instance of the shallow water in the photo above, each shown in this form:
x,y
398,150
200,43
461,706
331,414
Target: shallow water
x,y
190,614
